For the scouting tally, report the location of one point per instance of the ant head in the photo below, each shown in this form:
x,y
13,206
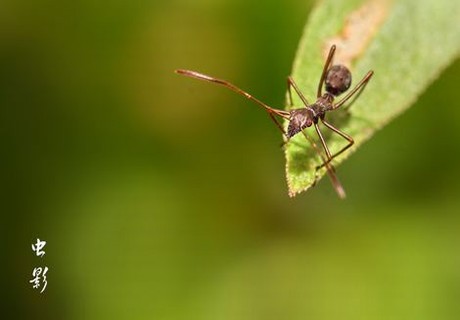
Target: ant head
x,y
338,79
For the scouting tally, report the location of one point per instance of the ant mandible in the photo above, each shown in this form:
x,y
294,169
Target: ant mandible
x,y
337,80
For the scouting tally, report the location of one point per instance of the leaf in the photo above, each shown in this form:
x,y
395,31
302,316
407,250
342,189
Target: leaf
x,y
407,44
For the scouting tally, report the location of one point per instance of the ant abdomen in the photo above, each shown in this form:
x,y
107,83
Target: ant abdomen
x,y
338,79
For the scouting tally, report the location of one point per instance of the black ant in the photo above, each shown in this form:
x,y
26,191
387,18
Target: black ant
x,y
337,80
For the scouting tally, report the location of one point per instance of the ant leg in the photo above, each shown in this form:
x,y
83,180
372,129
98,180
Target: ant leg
x,y
323,142
271,111
289,98
360,85
330,170
280,127
343,135
200,76
325,68
291,83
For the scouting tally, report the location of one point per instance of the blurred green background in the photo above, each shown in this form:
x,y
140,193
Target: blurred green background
x,y
162,197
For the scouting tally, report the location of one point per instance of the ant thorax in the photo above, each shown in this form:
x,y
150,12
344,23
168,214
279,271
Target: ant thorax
x,y
302,118
323,104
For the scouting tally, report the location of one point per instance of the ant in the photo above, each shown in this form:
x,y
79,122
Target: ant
x,y
337,80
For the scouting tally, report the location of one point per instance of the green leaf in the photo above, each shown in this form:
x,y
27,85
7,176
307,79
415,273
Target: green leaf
x,y
407,44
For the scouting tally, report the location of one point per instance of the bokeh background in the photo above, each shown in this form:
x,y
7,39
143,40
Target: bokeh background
x,y
162,197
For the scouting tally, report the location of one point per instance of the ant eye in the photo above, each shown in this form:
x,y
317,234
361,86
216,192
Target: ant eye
x,y
338,80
